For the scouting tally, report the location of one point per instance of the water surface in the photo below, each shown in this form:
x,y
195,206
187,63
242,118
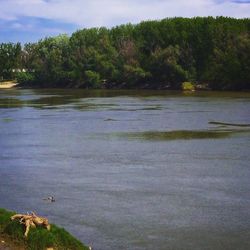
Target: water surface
x,y
130,169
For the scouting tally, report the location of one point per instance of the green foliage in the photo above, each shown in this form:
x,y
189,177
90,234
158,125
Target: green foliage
x,y
166,66
15,229
134,74
10,57
153,54
4,218
38,238
188,86
25,78
229,66
92,79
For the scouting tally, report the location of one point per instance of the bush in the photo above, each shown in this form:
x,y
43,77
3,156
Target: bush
x,y
188,86
25,77
92,79
134,74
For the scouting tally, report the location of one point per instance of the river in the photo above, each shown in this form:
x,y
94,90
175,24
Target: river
x,y
130,170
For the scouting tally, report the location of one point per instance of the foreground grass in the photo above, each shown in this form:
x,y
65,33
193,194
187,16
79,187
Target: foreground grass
x,y
39,238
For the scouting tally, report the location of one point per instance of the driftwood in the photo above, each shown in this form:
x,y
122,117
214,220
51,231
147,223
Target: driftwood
x,y
31,220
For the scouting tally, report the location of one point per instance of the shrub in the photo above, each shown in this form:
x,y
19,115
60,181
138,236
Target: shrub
x,y
25,77
188,86
92,79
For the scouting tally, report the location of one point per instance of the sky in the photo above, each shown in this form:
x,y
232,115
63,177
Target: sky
x,y
30,20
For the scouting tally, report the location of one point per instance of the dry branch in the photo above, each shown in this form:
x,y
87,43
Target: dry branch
x,y
31,220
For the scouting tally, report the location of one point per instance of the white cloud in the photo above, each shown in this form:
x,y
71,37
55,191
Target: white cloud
x,y
88,13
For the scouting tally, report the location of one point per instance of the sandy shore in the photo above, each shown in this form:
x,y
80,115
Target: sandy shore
x,y
7,84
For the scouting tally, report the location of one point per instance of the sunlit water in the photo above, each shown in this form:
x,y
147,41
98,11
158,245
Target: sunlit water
x,y
130,170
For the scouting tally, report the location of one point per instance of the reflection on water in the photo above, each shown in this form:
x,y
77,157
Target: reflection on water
x,y
10,103
130,170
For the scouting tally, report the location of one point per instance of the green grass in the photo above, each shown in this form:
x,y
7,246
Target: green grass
x,y
38,238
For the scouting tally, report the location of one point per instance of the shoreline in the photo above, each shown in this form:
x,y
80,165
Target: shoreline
x,y
13,84
8,84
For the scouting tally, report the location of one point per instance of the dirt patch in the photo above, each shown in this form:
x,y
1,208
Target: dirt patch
x,y
6,243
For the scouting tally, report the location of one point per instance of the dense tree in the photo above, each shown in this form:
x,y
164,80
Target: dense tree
x,y
10,56
152,54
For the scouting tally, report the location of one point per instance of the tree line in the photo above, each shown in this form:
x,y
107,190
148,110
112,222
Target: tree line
x,y
152,54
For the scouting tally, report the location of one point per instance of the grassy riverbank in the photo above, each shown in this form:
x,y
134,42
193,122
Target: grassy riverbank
x,y
12,235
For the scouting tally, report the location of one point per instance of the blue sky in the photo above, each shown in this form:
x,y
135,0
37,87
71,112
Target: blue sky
x,y
31,20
